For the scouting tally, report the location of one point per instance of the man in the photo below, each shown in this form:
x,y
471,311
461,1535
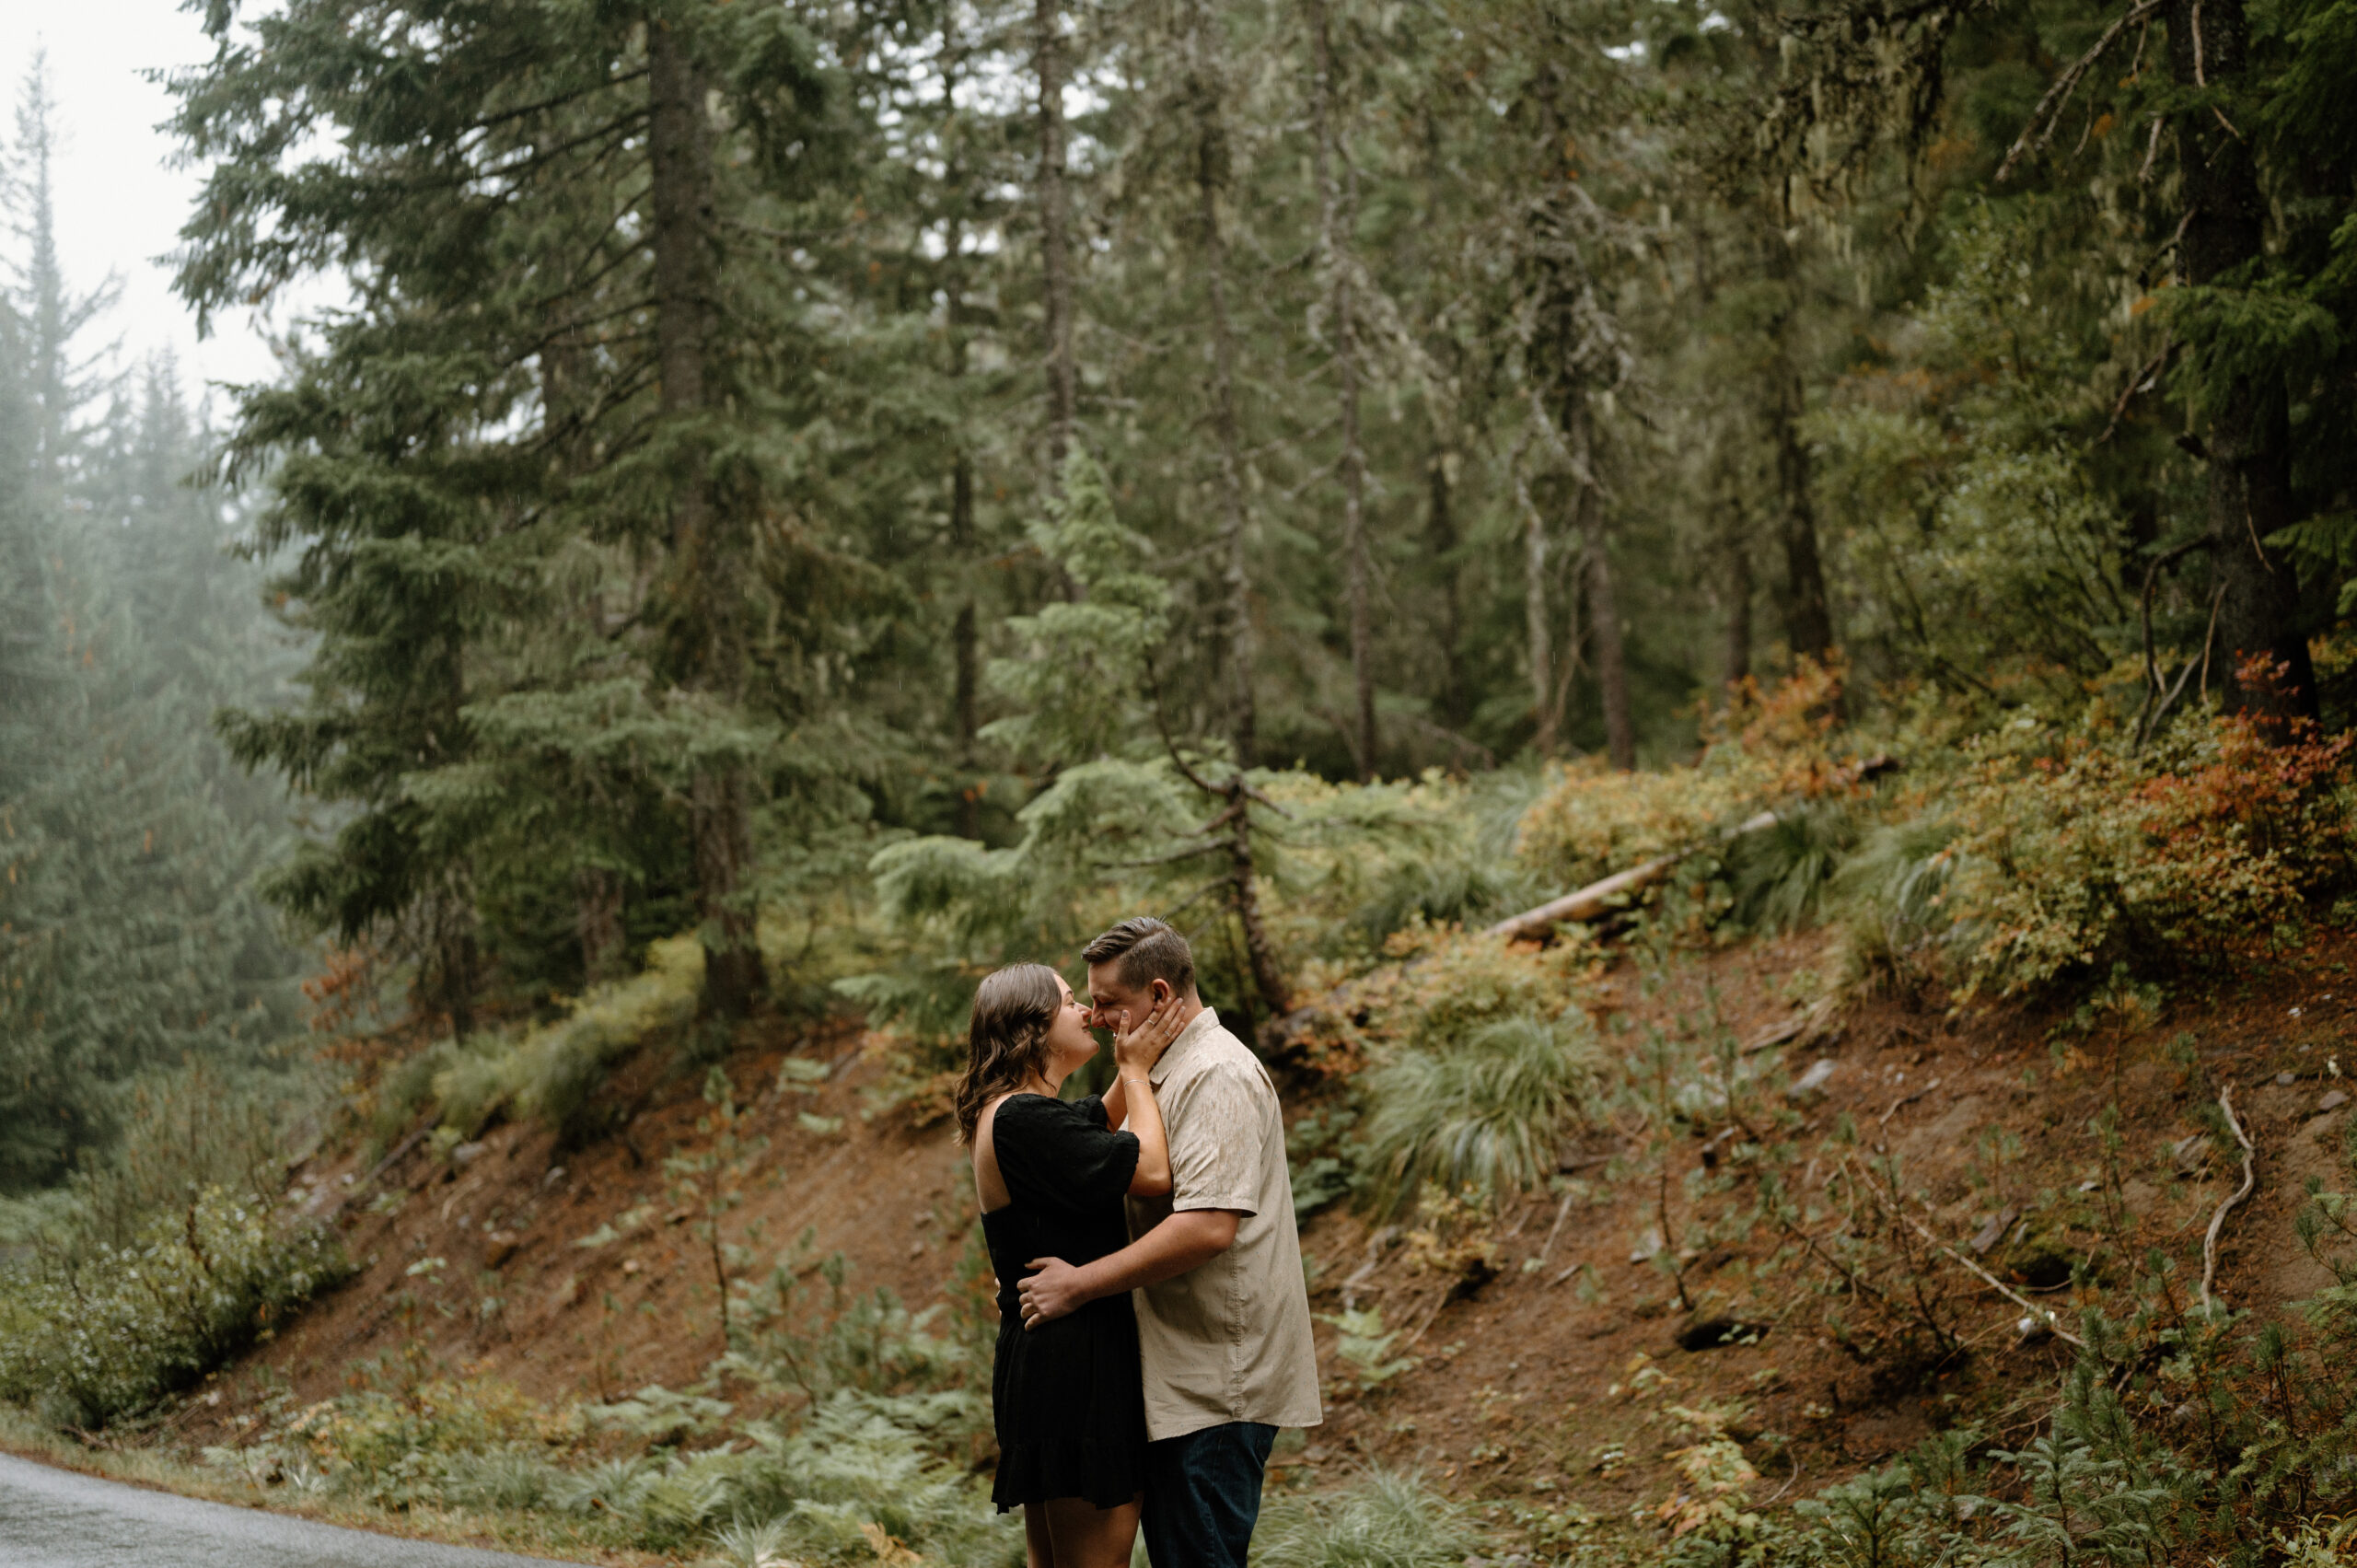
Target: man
x,y
1223,1311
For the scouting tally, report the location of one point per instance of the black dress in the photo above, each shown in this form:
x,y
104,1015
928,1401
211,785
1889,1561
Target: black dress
x,y
1066,1396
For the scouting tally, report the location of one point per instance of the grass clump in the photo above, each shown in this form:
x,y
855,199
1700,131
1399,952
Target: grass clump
x,y
1387,1519
1486,1113
1782,876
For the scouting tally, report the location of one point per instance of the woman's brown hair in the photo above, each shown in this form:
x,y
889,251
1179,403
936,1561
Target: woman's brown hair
x,y
1007,1041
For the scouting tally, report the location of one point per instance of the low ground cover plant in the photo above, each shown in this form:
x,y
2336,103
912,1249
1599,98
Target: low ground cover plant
x,y
93,1334
165,1257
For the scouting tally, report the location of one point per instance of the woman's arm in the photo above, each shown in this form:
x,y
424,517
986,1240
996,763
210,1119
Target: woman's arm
x,y
1134,1053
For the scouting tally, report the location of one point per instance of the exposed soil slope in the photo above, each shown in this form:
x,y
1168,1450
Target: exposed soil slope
x,y
1550,1360
522,1292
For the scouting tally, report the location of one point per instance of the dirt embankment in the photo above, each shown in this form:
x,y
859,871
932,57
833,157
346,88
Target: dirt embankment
x,y
1561,1375
580,1273
1550,1344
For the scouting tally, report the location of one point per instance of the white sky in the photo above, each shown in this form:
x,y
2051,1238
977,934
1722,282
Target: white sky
x,y
119,202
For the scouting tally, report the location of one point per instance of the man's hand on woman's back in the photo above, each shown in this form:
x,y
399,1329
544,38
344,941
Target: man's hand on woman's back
x,y
1187,1239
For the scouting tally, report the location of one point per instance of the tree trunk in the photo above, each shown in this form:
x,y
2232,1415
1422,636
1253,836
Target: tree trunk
x,y
597,891
1440,536
1055,236
965,644
1534,618
453,966
1268,974
598,922
1611,665
1604,609
965,638
1808,616
706,623
721,820
1734,656
1808,620
2248,438
1211,181
1334,220
1604,623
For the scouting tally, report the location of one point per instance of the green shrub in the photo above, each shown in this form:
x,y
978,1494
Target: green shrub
x,y
90,1335
1363,1345
829,1484
1774,749
879,1447
1486,1113
787,1339
869,1470
2075,857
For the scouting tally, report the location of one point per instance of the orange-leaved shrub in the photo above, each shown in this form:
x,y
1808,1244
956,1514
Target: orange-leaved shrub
x,y
1770,749
2209,846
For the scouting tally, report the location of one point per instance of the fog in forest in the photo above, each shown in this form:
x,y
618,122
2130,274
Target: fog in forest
x,y
1726,627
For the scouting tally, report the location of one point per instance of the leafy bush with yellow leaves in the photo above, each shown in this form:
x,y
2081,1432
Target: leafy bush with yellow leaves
x,y
1772,748
1444,983
2076,855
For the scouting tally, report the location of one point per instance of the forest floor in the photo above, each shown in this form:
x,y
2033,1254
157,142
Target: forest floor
x,y
1552,1373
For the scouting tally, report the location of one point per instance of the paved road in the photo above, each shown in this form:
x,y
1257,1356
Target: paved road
x,y
52,1518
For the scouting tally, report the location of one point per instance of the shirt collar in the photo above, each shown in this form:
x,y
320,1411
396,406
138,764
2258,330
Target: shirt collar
x,y
1201,1026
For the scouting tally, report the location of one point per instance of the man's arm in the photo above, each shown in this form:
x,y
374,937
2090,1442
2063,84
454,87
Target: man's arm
x,y
1187,1239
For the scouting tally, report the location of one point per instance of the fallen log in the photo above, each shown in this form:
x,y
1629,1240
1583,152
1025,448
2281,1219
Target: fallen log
x,y
1596,900
1284,1033
1599,899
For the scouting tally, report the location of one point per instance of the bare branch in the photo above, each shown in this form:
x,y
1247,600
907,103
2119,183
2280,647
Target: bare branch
x,y
2218,1220
2049,111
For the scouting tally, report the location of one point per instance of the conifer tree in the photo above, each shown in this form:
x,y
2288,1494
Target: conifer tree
x,y
131,937
1337,212
547,220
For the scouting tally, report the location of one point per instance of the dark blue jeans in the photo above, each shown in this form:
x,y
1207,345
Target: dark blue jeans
x,y
1203,1495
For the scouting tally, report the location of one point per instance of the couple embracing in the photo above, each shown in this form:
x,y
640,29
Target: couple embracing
x,y
1153,1324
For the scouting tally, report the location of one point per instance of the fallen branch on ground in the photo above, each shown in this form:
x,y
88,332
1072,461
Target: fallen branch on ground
x,y
1562,1212
400,1152
1599,899
2043,1314
2218,1220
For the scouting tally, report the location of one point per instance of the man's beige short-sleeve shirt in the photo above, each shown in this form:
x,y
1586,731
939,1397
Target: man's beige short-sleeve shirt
x,y
1229,1341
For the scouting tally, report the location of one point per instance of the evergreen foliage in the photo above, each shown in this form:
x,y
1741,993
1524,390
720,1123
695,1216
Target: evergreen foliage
x,y
759,434
131,936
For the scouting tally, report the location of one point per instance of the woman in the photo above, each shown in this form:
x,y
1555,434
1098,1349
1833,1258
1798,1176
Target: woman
x,y
1066,1396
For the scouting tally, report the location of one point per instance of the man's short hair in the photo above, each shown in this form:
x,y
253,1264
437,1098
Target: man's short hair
x,y
1147,950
